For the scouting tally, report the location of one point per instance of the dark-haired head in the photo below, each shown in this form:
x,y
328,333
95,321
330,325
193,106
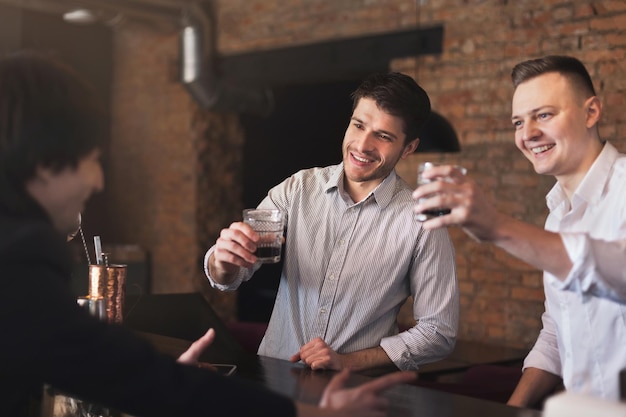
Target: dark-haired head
x,y
568,66
49,116
399,95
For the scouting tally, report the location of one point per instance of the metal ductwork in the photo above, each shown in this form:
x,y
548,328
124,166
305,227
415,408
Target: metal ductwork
x,y
198,59
198,73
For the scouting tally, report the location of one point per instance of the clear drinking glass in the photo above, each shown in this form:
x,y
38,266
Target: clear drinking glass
x,y
439,211
270,225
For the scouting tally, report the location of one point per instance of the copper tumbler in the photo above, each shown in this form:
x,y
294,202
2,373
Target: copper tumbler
x,y
109,283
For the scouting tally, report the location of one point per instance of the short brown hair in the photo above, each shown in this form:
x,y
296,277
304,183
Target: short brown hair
x,y
399,95
568,66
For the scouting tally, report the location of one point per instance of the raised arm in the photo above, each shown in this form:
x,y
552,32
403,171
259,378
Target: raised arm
x,y
472,210
545,250
233,250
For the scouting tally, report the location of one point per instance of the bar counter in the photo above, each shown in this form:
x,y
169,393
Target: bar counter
x,y
301,383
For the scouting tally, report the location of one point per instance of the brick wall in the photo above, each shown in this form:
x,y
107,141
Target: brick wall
x,y
175,175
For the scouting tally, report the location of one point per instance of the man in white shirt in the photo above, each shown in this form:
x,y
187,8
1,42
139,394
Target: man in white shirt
x,y
582,251
353,251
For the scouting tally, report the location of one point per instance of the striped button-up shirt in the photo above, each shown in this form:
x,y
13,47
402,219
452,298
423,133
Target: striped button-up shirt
x,y
349,267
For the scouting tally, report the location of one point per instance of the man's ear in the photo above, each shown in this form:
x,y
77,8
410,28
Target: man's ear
x,y
593,105
410,147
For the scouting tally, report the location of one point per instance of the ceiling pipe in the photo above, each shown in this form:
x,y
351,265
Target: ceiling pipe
x,y
198,58
199,75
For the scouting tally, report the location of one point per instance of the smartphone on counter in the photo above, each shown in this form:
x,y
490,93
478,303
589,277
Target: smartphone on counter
x,y
226,369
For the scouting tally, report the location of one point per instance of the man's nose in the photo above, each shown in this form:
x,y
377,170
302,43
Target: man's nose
x,y
530,130
364,141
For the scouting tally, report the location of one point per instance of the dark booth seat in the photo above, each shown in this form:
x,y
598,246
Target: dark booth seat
x,y
488,382
188,316
184,316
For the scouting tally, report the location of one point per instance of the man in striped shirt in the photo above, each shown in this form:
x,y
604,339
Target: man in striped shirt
x,y
353,251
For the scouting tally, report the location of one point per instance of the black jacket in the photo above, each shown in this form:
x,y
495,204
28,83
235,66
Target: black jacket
x,y
45,337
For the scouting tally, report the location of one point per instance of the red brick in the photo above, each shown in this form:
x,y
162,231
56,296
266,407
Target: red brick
x,y
175,179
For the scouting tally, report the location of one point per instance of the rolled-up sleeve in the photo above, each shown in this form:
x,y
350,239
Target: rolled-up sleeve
x,y
435,292
599,267
243,275
545,353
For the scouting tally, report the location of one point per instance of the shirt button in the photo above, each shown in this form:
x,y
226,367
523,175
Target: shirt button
x,y
331,277
323,310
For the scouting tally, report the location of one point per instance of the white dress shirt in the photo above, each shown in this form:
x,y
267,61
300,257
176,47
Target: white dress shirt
x,y
349,267
584,325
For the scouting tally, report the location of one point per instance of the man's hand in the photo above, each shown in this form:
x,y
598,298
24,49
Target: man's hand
x,y
234,249
236,246
470,207
473,211
191,355
318,355
366,399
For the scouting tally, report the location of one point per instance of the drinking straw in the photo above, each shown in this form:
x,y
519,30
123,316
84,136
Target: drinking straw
x,y
82,237
98,245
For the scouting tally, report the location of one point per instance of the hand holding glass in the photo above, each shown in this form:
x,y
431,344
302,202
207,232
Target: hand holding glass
x,y
270,225
439,211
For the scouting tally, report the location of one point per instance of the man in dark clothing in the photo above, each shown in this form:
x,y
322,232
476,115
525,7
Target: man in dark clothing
x,y
51,126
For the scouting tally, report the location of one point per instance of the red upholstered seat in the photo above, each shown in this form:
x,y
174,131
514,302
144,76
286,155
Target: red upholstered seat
x,y
487,382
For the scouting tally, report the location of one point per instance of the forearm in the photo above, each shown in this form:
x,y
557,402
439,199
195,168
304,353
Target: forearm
x,y
534,385
310,410
607,259
366,359
219,275
542,249
306,410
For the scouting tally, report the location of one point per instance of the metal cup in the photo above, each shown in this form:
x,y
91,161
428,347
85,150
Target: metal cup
x,y
94,306
57,404
108,282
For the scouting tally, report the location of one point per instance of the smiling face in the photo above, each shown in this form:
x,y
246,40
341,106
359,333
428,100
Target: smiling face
x,y
556,127
63,193
372,146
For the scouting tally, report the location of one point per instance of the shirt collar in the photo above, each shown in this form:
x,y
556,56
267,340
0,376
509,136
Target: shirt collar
x,y
383,193
591,187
